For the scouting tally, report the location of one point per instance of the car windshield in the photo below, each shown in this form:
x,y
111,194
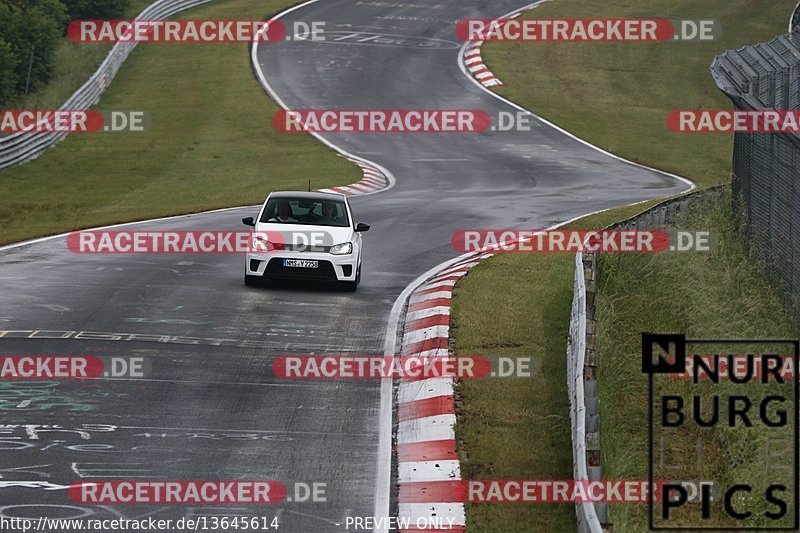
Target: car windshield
x,y
305,211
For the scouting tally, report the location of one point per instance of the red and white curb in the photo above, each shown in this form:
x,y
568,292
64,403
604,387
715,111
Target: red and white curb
x,y
475,65
473,62
428,470
374,180
477,68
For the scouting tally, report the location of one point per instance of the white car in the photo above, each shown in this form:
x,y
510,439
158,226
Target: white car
x,y
305,235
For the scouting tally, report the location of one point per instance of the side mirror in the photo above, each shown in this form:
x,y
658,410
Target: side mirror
x,y
362,227
248,221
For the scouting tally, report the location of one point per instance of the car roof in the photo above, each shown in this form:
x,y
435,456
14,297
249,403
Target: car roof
x,y
314,195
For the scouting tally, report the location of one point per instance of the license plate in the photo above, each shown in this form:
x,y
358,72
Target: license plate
x,y
300,263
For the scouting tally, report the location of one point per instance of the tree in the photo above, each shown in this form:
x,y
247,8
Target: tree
x,y
25,24
96,9
8,74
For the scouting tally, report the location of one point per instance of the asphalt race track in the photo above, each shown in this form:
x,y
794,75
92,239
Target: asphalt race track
x,y
211,408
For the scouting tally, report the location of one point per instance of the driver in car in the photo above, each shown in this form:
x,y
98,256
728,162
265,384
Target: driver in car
x,y
328,213
284,213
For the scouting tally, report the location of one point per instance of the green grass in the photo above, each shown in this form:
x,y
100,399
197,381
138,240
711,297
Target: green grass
x,y
211,144
721,294
617,95
518,305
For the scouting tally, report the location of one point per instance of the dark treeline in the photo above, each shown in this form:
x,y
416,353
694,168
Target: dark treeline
x,y
37,27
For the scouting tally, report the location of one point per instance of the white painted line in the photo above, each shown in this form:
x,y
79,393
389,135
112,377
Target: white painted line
x,y
417,298
439,352
412,391
455,271
451,273
425,313
464,266
349,190
439,427
428,471
358,186
423,511
419,335
445,283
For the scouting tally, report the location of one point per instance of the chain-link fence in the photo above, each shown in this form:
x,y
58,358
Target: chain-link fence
x,y
766,166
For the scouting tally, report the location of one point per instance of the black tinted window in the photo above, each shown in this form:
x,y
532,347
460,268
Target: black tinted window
x,y
306,211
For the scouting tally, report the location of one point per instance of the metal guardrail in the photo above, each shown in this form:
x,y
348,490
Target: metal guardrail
x,y
582,376
673,210
587,512
22,147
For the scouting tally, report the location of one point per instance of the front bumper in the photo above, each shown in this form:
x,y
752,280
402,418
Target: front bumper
x,y
331,267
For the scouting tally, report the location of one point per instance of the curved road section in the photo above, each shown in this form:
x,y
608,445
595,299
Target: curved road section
x,y
210,407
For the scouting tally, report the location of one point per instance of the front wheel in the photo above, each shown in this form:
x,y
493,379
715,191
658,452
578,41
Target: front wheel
x,y
251,281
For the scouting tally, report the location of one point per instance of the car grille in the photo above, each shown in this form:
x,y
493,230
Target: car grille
x,y
324,272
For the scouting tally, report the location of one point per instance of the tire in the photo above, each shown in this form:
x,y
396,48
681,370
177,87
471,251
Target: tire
x,y
251,281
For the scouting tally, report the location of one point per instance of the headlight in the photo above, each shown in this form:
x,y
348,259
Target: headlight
x,y
342,249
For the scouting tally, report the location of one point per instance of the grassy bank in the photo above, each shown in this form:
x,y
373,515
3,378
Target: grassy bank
x,y
515,428
617,95
721,294
211,143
